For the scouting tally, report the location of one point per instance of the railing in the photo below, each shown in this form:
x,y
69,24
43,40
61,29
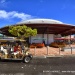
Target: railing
x,y
53,51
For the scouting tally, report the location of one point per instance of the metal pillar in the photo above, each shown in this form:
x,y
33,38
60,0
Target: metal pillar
x,y
71,50
59,50
47,39
35,51
47,49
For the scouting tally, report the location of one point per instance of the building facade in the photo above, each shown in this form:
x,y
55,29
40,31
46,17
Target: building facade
x,y
47,30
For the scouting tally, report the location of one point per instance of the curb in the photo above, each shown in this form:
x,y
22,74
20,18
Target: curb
x,y
53,56
39,56
69,56
47,56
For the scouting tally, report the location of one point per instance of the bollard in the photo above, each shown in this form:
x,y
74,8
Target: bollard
x,y
71,50
47,50
35,51
59,50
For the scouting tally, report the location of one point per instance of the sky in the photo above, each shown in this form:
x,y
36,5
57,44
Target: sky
x,y
14,11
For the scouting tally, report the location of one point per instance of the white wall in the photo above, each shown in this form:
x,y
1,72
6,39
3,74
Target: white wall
x,y
37,36
47,41
50,38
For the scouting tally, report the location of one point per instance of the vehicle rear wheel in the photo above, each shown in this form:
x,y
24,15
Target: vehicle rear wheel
x,y
26,59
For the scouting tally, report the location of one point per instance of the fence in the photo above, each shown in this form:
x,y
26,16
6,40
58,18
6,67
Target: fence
x,y
53,51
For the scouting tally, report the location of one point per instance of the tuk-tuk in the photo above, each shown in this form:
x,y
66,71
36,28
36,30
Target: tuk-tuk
x,y
8,47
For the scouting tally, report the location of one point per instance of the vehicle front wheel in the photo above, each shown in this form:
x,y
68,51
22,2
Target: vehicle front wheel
x,y
26,59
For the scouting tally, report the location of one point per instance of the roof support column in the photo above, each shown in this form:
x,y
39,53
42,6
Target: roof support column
x,y
47,39
70,40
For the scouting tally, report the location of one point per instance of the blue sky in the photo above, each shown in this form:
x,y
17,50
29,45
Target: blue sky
x,y
13,11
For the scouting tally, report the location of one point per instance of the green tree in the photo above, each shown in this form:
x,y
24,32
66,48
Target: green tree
x,y
22,31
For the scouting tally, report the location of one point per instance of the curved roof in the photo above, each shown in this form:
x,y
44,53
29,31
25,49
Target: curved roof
x,y
41,21
44,26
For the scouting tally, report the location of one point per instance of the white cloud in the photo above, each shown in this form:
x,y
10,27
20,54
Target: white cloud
x,y
14,14
2,1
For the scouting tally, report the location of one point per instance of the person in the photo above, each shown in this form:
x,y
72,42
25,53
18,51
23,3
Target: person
x,y
16,47
17,50
44,42
20,49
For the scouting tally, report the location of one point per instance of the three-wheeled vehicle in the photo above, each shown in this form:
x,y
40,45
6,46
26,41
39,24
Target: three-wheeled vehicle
x,y
7,51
